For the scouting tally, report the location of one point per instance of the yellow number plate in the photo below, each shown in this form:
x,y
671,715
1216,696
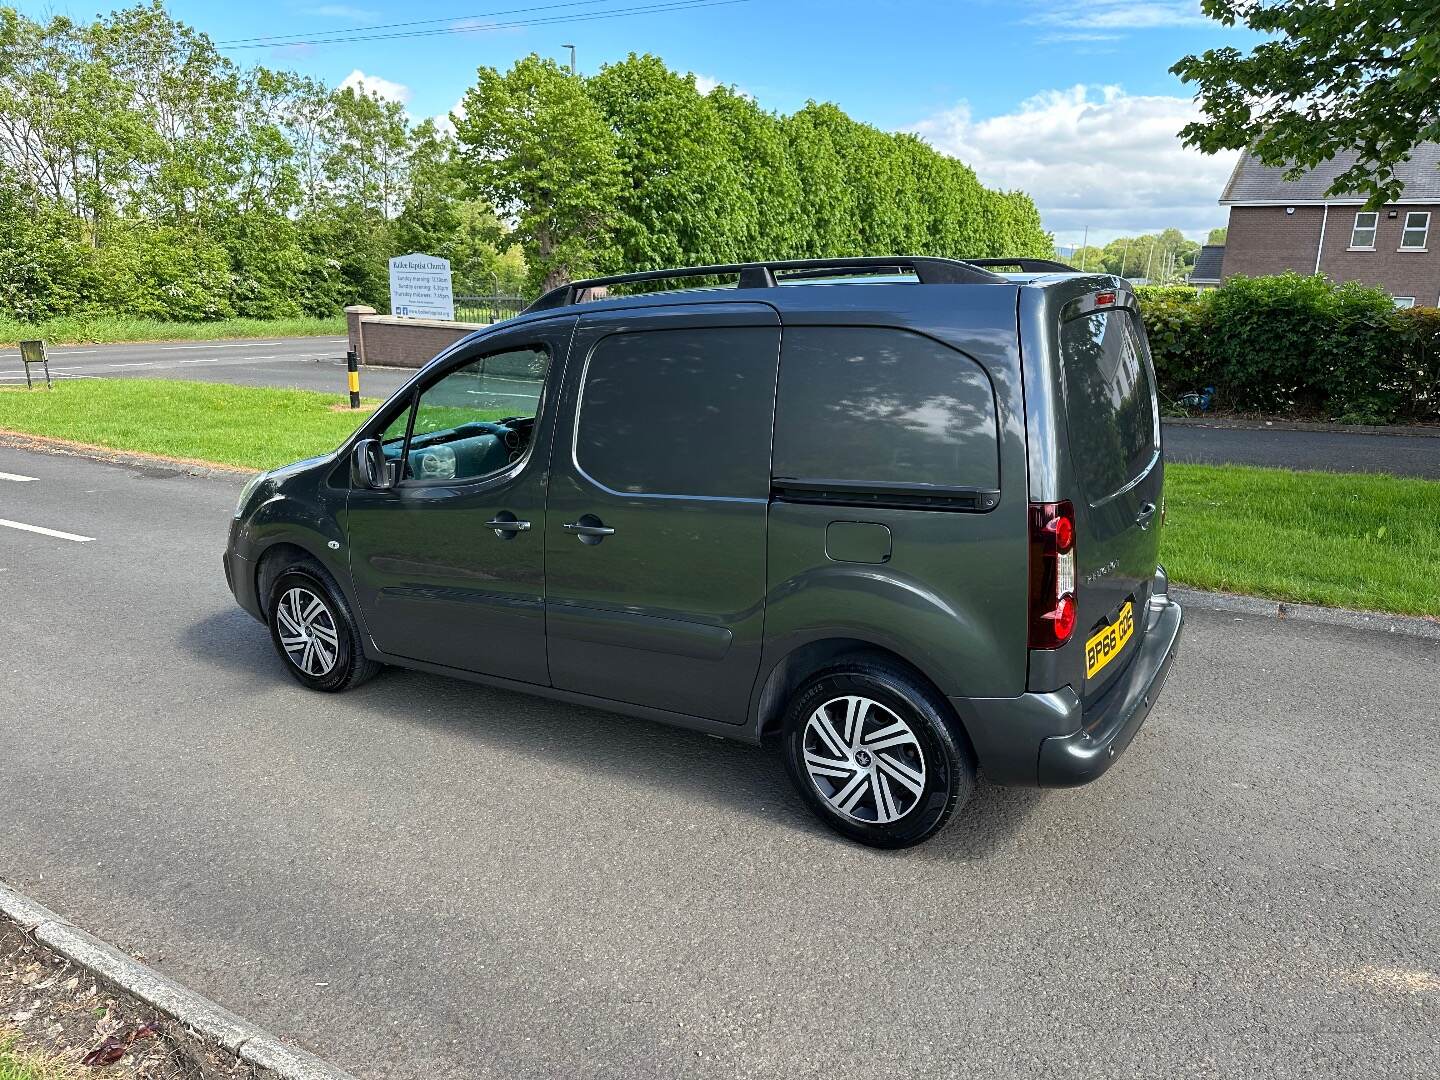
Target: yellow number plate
x,y
1109,642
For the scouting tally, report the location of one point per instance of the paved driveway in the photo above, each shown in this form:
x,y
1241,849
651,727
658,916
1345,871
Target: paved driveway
x,y
427,878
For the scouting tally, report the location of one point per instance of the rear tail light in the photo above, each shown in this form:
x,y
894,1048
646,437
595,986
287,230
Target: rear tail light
x,y
1052,574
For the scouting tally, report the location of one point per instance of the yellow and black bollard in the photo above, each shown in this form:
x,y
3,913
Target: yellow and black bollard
x,y
352,366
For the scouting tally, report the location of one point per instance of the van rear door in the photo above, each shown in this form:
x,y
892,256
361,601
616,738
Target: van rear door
x,y
1113,420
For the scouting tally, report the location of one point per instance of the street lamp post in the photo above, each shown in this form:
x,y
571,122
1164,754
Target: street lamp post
x,y
573,69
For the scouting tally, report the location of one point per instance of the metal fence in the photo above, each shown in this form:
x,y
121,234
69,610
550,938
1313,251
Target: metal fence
x,y
488,309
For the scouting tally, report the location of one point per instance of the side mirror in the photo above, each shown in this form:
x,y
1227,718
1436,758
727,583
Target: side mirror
x,y
369,468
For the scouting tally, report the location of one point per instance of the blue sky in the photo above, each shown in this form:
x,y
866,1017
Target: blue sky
x,y
1070,102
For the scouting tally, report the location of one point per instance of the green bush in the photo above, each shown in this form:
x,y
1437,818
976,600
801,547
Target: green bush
x,y
1297,345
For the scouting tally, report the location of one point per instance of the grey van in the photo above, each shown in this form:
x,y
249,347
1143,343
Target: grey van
x,y
899,516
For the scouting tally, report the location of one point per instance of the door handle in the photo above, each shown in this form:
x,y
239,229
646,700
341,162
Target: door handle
x,y
506,526
589,529
1147,511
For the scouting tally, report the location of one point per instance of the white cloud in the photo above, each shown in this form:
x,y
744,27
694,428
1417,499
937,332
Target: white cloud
x,y
444,124
1093,157
343,11
1110,20
707,83
375,85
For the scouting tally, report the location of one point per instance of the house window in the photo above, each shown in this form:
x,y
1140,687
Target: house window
x,y
1363,235
1417,227
1404,301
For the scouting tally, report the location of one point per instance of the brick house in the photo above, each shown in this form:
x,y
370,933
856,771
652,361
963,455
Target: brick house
x,y
1278,225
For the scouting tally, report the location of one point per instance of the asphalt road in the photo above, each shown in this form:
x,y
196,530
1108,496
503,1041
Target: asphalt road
x,y
425,878
1338,451
316,363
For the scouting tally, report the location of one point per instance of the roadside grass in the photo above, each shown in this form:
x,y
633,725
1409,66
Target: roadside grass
x,y
250,427
1336,539
98,330
17,1064
1348,540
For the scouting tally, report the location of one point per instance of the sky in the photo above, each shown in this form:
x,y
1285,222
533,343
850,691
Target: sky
x,y
1070,102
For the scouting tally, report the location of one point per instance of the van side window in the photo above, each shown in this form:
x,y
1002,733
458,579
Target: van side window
x,y
680,412
473,422
883,406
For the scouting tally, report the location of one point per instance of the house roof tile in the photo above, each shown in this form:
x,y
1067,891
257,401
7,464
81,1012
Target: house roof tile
x,y
1252,182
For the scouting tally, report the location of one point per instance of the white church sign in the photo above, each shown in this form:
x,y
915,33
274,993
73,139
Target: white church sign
x,y
420,287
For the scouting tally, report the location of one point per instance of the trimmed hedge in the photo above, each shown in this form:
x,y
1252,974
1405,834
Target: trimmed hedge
x,y
1297,346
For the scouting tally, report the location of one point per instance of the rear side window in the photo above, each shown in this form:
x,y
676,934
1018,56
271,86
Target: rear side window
x,y
881,406
1109,401
680,412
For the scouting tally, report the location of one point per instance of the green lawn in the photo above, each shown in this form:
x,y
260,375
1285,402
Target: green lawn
x,y
101,329
1342,540
232,425
1348,540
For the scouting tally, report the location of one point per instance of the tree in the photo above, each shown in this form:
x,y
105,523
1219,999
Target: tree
x,y
536,146
1217,236
684,191
1332,77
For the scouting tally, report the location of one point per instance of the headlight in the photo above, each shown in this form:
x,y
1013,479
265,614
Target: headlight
x,y
247,491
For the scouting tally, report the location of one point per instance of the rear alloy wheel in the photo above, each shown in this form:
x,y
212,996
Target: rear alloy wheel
x,y
864,759
313,630
875,752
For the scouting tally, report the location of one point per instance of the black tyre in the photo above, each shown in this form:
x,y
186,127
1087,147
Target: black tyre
x,y
314,631
877,754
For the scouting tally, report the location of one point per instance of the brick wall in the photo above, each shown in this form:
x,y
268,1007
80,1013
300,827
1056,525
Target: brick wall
x,y
1266,240
391,342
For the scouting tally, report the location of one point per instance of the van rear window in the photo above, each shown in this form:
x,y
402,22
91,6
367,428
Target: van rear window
x,y
883,406
1109,401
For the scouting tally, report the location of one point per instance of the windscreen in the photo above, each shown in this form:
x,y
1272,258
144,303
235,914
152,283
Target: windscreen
x,y
1109,401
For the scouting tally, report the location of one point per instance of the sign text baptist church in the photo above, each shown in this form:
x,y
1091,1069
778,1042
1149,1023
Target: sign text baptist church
x,y
420,287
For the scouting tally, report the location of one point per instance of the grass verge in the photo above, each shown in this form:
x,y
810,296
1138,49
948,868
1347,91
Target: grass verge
x,y
1361,541
230,425
99,330
1342,540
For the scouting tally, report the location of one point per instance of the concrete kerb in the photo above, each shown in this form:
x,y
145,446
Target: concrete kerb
x,y
1374,621
201,1015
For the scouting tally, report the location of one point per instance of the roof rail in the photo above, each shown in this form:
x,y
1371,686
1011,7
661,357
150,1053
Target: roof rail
x,y
762,275
1028,266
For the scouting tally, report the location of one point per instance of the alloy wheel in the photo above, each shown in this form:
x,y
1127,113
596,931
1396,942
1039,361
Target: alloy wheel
x,y
308,632
864,759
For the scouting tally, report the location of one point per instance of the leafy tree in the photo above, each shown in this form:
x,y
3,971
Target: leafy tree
x,y
1217,236
683,193
536,146
1329,78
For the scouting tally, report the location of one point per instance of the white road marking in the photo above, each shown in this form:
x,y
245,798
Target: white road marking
x,y
17,477
230,345
46,532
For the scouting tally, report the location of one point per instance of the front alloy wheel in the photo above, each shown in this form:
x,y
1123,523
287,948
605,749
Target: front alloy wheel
x,y
307,632
312,627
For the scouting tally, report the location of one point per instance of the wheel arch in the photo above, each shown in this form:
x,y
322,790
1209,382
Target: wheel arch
x,y
803,661
276,555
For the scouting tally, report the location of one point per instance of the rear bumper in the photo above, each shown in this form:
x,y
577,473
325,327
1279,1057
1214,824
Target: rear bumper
x,y
1110,724
1051,739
